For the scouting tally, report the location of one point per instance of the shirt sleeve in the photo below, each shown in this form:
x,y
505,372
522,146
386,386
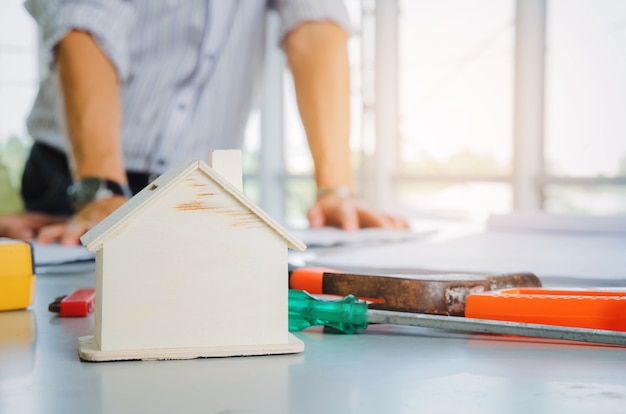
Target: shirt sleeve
x,y
294,12
108,22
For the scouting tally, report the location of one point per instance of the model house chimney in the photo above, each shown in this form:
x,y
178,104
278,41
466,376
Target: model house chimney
x,y
228,164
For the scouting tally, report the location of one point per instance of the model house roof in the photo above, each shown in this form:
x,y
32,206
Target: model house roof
x,y
114,223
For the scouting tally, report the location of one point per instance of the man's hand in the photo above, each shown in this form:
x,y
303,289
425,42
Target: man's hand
x,y
68,233
25,226
350,214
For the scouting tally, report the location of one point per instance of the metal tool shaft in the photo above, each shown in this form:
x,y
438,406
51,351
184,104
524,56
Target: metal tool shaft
x,y
498,327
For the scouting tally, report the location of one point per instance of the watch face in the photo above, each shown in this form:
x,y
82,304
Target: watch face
x,y
89,189
84,191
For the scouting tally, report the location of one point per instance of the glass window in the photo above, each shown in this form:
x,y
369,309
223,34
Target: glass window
x,y
589,199
456,86
586,88
456,102
18,85
585,127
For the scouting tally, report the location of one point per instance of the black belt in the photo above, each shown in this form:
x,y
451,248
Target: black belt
x,y
136,180
47,176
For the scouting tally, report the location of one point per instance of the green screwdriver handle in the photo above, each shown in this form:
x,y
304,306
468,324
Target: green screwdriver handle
x,y
347,314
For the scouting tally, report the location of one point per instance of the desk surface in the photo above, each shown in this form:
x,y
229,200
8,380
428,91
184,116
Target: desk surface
x,y
386,369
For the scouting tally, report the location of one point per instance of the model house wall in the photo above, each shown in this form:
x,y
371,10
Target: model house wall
x,y
189,262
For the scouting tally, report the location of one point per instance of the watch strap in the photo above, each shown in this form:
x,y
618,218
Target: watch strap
x,y
88,189
117,188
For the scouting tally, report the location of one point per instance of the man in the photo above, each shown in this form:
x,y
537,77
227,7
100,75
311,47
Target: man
x,y
137,85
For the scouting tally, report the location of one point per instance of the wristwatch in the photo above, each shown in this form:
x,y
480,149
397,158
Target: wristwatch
x,y
90,189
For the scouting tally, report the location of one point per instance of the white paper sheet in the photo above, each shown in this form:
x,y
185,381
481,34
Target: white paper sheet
x,y
330,236
557,256
544,222
55,254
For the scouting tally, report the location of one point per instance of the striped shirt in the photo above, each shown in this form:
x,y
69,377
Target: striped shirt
x,y
188,68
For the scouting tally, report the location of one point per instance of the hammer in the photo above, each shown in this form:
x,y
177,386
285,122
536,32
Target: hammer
x,y
442,294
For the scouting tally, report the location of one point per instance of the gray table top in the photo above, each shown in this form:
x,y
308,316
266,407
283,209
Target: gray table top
x,y
387,369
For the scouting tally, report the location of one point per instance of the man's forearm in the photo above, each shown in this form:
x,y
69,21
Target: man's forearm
x,y
92,108
318,59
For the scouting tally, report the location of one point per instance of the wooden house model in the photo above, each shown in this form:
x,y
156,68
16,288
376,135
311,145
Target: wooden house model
x,y
190,267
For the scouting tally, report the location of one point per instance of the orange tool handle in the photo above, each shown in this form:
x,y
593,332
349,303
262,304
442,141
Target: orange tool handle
x,y
591,309
309,279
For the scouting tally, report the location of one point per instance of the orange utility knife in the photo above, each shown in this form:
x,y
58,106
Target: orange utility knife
x,y
79,303
593,309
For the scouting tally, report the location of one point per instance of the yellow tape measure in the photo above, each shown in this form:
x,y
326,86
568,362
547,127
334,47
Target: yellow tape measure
x,y
17,274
